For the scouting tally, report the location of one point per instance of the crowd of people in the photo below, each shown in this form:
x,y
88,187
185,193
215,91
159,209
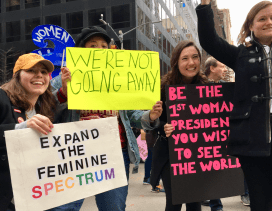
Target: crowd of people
x,y
31,100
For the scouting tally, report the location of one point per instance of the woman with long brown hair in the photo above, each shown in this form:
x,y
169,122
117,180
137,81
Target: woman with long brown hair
x,y
250,120
26,102
185,69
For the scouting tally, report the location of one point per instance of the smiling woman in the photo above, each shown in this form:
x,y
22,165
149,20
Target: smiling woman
x,y
35,81
185,69
189,63
262,25
250,120
26,102
30,84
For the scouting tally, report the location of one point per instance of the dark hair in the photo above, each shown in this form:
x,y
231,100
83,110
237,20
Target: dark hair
x,y
45,104
174,77
89,32
245,30
211,61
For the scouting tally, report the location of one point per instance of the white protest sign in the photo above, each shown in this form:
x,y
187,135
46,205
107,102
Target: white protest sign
x,y
74,161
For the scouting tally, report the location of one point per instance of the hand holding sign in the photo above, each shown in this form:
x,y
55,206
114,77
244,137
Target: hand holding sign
x,y
76,160
40,123
156,111
168,129
65,77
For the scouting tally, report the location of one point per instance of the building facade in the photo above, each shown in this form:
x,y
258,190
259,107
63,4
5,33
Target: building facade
x,y
178,21
175,21
222,24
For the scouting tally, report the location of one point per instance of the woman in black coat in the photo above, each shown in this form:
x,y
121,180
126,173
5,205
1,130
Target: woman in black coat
x,y
26,102
250,122
185,69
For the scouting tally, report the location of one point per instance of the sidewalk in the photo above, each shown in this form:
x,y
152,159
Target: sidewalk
x,y
140,198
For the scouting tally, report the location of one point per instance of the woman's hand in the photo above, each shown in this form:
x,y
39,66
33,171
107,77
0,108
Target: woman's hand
x,y
205,2
40,123
168,129
156,111
65,77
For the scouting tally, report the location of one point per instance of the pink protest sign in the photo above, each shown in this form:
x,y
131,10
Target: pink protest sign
x,y
200,166
142,148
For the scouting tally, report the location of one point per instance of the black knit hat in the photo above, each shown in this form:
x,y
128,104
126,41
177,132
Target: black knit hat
x,y
87,33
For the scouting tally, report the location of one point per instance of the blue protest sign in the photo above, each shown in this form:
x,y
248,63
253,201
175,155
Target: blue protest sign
x,y
61,39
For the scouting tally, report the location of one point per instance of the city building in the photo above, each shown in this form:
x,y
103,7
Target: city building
x,y
222,23
175,20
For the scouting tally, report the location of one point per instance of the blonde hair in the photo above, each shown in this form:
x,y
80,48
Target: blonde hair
x,y
245,30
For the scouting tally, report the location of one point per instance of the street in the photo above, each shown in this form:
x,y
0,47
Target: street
x,y
140,198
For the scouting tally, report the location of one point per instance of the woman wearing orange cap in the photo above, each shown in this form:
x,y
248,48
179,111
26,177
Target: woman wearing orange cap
x,y
26,102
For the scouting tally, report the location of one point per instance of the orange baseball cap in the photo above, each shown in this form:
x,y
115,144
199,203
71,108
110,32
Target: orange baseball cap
x,y
26,61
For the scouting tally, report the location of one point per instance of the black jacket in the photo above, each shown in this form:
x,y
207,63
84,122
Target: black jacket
x,y
9,115
250,118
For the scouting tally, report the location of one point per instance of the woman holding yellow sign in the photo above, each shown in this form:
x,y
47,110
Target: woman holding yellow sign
x,y
96,37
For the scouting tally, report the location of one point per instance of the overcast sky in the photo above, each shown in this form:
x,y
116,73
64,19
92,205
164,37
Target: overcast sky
x,y
238,12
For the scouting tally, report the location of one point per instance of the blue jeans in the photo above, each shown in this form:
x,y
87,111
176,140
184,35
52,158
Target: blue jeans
x,y
126,161
215,204
111,200
148,162
115,200
72,206
246,188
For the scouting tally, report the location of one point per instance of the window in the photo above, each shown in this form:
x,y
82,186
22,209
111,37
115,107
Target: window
x,y
8,59
32,3
160,40
147,2
148,28
164,68
30,24
120,16
12,5
0,32
11,58
13,31
164,44
140,19
168,49
95,15
49,2
161,70
74,22
140,46
54,20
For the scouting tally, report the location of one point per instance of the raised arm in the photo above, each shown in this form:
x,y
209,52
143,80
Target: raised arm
x,y
210,40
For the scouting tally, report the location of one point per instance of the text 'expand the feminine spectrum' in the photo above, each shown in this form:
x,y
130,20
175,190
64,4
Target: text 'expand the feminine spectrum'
x,y
121,75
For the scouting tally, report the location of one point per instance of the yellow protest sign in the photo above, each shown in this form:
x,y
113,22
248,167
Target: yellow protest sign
x,y
110,79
